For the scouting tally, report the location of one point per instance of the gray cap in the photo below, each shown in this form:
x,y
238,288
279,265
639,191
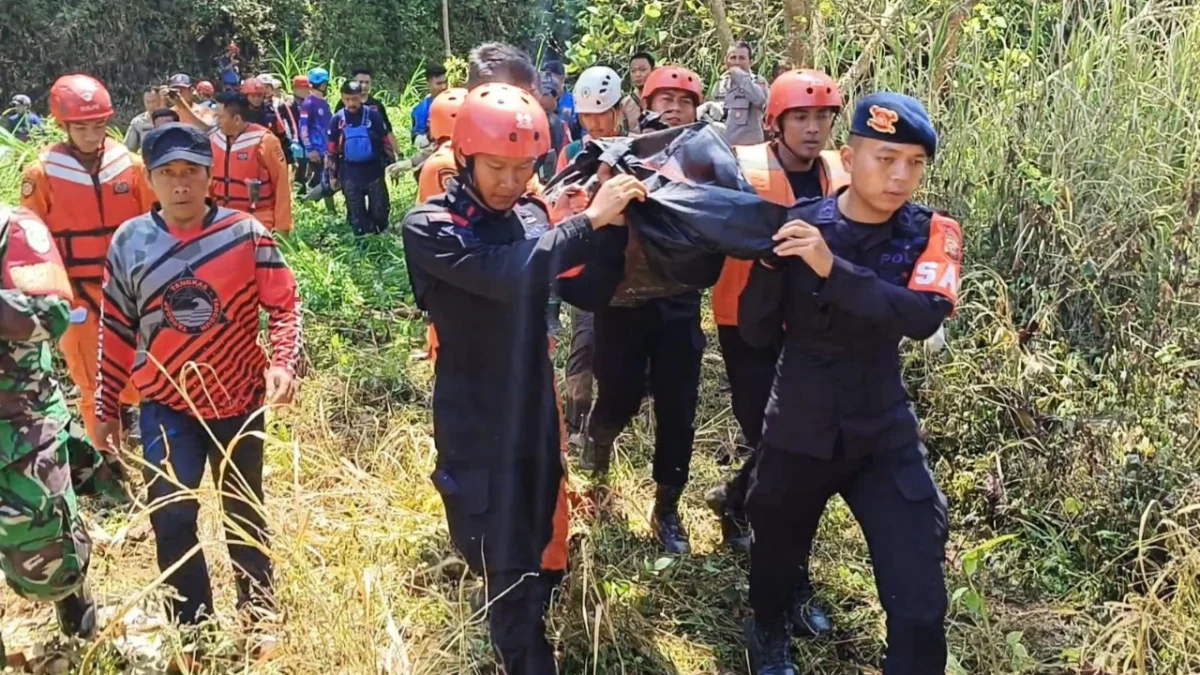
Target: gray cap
x,y
176,141
21,99
180,81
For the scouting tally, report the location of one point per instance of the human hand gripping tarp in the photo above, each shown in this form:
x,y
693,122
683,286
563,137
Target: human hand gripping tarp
x,y
700,208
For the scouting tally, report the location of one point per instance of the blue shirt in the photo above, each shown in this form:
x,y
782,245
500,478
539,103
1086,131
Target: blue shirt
x,y
21,125
316,124
359,172
566,110
420,117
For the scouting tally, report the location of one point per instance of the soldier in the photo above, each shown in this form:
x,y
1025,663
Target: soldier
x,y
44,548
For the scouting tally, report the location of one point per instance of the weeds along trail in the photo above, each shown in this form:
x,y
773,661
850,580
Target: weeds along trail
x,y
1062,420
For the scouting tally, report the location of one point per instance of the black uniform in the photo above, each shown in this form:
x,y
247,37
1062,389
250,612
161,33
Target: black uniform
x,y
838,422
664,334
750,368
484,277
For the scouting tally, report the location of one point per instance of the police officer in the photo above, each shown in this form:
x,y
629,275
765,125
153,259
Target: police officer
x,y
482,258
662,334
853,274
44,547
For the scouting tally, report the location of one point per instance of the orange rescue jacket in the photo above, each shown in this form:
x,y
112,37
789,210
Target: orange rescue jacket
x,y
82,208
253,155
770,181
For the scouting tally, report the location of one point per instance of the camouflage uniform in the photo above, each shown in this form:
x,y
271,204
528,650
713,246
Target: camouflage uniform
x,y
44,548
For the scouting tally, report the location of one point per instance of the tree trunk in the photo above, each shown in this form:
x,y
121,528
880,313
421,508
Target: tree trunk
x,y
717,7
945,62
863,62
797,22
446,25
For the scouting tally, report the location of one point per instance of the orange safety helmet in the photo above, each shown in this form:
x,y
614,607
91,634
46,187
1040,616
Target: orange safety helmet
x,y
300,81
443,112
205,87
672,77
801,89
79,98
499,119
253,85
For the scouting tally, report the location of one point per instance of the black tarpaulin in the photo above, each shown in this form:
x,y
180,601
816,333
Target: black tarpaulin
x,y
700,208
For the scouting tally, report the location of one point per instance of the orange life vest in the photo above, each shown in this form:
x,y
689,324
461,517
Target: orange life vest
x,y
770,181
87,208
236,164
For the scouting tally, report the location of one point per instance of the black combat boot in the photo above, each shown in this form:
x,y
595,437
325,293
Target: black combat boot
x,y
769,648
735,528
596,455
807,617
665,521
77,614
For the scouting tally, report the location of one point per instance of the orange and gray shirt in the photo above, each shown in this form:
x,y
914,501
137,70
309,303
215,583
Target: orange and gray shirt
x,y
181,314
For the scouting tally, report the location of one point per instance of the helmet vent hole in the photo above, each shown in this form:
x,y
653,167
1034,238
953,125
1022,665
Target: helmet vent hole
x,y
537,135
485,94
500,102
513,137
809,90
828,90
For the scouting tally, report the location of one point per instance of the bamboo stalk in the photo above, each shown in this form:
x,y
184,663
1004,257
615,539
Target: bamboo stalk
x,y
446,25
724,33
863,62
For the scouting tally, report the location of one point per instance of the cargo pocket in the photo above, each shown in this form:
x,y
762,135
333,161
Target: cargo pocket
x,y
466,497
915,482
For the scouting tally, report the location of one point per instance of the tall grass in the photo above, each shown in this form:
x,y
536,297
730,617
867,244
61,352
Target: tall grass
x,y
1062,420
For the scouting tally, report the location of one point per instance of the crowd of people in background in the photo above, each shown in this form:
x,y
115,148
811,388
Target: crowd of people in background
x,y
166,254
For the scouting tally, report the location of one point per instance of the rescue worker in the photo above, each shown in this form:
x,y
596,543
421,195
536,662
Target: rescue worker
x,y
314,128
800,112
83,188
436,82
185,286
662,334
853,274
205,91
358,153
258,95
44,546
299,93
491,62
598,103
442,114
249,171
482,259
641,65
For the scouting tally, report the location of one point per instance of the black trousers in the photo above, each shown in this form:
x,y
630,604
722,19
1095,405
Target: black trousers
x,y
751,372
580,380
368,204
903,516
177,442
502,520
627,339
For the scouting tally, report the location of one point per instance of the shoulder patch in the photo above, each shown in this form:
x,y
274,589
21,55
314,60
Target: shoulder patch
x,y
939,269
36,235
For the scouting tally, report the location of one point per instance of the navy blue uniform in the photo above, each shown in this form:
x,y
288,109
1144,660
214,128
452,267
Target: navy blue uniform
x,y
838,421
485,277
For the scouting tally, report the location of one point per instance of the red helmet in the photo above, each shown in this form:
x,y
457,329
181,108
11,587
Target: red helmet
x,y
499,119
79,98
801,89
252,86
300,81
444,111
672,77
205,87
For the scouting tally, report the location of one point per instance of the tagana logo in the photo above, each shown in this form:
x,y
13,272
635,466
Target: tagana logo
x,y
524,121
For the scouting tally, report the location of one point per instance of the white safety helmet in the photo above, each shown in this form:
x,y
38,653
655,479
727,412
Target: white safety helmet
x,y
597,90
269,79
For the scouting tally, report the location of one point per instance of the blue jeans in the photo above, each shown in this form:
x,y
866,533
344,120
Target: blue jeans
x,y
186,444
